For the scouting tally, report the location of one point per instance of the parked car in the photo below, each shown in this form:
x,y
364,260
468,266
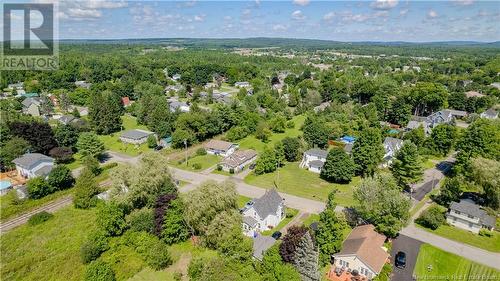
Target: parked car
x,y
276,235
400,260
251,166
159,147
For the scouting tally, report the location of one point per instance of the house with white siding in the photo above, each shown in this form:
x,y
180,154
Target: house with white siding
x,y
469,216
32,165
263,213
314,159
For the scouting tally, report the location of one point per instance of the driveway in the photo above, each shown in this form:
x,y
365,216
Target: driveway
x,y
409,246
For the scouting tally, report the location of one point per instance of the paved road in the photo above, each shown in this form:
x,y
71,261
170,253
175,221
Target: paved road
x,y
431,178
410,247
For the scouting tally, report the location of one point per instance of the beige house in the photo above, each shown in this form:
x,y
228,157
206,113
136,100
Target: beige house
x,y
363,251
238,160
469,216
218,147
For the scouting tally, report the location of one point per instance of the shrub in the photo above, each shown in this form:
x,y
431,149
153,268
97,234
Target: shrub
x,y
111,219
99,271
177,276
196,166
94,246
485,232
92,164
152,250
62,154
219,167
141,220
60,178
201,151
290,124
431,218
109,166
38,188
39,218
85,190
231,171
151,141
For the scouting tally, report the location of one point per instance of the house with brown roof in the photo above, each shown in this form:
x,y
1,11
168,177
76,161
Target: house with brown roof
x,y
218,147
238,160
363,251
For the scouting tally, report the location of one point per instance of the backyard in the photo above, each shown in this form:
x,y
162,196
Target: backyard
x,y
250,142
202,161
433,263
112,142
300,182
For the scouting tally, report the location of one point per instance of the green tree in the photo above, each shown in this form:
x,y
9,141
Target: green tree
x,y
416,136
99,271
151,141
174,228
89,144
111,219
339,167
12,149
105,110
306,259
66,135
262,132
450,191
274,269
382,204
431,218
278,123
486,173
329,235
316,132
279,154
60,178
367,151
38,188
407,165
291,147
266,163
179,136
91,163
85,190
400,112
442,139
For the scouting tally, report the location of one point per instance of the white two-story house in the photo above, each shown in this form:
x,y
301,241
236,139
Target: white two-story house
x,y
263,213
391,147
314,159
469,216
222,148
32,165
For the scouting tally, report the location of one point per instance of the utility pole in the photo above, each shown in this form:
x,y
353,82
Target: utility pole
x,y
186,151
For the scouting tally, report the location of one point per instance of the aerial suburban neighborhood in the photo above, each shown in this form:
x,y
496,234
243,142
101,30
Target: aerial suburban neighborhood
x,y
195,140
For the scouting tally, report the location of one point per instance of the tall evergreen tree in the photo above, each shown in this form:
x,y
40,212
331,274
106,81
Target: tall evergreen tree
x,y
329,235
105,112
407,166
367,151
339,167
442,139
85,190
306,259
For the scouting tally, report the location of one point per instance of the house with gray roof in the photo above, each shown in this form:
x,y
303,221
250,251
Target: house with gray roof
x,y
490,114
32,165
314,159
469,216
66,119
135,136
237,160
263,213
178,105
31,106
391,147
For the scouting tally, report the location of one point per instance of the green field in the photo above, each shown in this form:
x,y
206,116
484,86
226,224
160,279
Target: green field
x,y
48,251
310,219
206,161
112,142
491,244
435,264
250,142
302,183
242,200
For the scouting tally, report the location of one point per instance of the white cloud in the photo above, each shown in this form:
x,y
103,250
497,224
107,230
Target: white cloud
x,y
98,4
228,18
279,27
403,12
83,13
384,4
432,14
298,15
464,2
330,16
199,18
84,10
301,2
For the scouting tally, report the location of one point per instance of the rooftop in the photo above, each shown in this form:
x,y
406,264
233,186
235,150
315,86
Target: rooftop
x,y
317,152
136,134
239,157
219,145
30,160
268,203
470,208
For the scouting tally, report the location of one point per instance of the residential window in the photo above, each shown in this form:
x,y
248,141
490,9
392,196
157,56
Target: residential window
x,y
470,216
470,224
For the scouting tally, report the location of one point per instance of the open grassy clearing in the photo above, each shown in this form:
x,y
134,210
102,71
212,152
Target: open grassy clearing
x,y
250,142
300,182
112,142
491,244
435,264
242,200
204,161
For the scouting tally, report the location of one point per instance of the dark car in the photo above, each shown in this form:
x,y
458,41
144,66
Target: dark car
x,y
159,147
276,235
400,260
252,166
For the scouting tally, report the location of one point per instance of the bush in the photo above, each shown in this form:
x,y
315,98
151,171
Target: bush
x,y
201,151
290,124
92,164
141,220
109,166
152,141
60,178
231,171
94,246
39,218
62,154
196,166
111,219
152,250
85,190
99,271
38,188
219,167
485,233
431,218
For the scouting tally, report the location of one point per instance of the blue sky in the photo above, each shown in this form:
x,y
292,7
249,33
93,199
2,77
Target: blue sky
x,y
383,20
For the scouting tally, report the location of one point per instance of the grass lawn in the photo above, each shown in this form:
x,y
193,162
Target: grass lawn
x,y
291,214
205,161
76,162
310,219
433,262
250,142
113,143
491,244
48,251
242,200
222,172
302,183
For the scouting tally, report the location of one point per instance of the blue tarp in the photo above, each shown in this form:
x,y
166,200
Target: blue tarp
x,y
348,139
